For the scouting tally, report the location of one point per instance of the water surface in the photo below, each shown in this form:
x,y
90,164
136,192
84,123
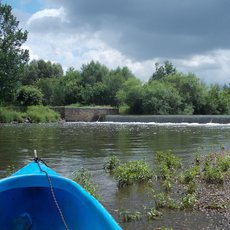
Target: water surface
x,y
67,147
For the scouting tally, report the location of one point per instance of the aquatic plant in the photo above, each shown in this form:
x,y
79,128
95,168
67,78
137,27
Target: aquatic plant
x,y
163,200
167,185
153,214
213,175
191,174
111,163
84,178
189,201
191,187
223,162
169,159
128,216
197,159
132,172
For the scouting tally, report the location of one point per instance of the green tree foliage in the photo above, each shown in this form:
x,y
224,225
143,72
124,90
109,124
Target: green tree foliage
x,y
12,56
113,83
191,90
161,98
52,90
131,94
93,72
29,95
71,86
162,71
39,69
217,101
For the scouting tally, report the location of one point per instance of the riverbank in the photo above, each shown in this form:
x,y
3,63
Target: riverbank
x,y
30,114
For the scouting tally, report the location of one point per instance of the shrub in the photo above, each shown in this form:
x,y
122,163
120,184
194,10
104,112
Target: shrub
x,y
132,172
29,95
42,114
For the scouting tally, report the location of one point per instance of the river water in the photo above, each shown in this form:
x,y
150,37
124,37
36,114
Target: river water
x,y
67,147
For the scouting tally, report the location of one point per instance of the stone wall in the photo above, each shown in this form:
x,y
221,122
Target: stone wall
x,y
84,114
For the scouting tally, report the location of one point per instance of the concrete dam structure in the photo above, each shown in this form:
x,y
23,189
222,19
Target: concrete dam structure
x,y
71,114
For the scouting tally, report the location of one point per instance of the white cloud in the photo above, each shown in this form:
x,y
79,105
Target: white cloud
x,y
48,13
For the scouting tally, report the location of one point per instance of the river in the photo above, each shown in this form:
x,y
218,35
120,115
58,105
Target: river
x,y
67,147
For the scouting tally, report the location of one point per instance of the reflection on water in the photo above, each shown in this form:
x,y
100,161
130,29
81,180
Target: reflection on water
x,y
66,147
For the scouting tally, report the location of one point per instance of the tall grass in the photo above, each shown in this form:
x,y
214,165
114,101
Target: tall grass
x,y
42,114
30,114
8,115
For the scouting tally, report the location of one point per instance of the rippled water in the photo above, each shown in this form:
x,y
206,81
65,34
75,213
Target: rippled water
x,y
67,147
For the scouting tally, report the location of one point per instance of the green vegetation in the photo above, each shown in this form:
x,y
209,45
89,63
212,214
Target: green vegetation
x,y
167,91
84,178
12,56
177,187
132,172
128,216
111,164
8,115
31,114
153,214
42,114
29,95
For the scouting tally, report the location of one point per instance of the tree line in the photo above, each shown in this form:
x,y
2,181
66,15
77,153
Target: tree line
x,y
168,91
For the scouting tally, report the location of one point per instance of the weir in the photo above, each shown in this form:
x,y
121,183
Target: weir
x,y
201,119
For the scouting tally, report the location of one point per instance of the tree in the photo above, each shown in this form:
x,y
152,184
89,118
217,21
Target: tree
x,y
192,91
131,94
93,72
29,95
161,98
40,69
12,56
163,71
217,101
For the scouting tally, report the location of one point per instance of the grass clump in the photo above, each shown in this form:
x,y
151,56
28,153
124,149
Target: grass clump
x,y
84,178
111,164
132,172
42,114
8,115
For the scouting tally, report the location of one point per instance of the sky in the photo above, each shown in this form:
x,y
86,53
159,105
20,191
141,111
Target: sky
x,y
192,34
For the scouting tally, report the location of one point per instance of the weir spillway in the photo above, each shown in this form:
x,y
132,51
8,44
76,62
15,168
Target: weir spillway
x,y
201,119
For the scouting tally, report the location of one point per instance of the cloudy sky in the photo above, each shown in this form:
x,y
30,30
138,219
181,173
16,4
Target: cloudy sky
x,y
193,34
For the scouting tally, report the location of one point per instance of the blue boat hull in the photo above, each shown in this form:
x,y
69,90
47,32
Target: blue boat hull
x,y
27,203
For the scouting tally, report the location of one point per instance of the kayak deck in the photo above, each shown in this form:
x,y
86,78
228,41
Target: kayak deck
x,y
26,200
